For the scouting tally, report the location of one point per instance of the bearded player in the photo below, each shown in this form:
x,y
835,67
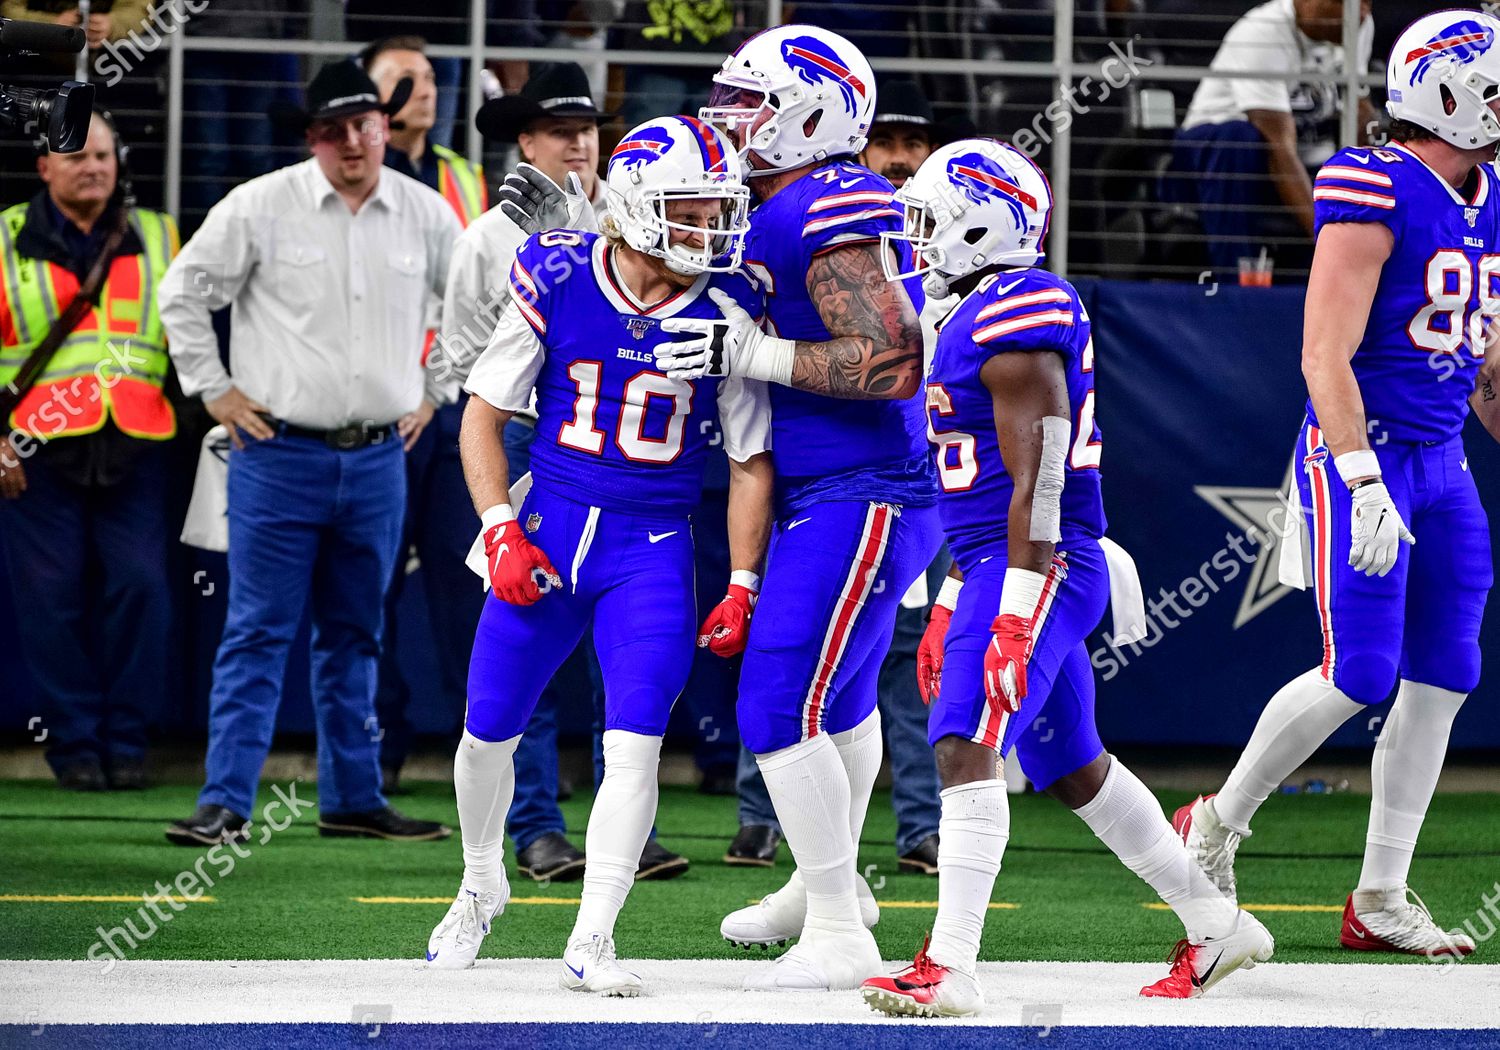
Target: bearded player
x,y
855,521
1404,285
1010,402
604,533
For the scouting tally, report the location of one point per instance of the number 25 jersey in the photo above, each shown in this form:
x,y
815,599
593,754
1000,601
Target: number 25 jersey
x,y
1015,311
1421,351
612,430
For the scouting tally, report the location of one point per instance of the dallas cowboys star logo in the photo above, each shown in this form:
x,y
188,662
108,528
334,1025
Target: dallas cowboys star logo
x,y
1259,513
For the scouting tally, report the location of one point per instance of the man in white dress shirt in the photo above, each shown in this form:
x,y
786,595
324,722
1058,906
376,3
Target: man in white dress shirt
x,y
328,265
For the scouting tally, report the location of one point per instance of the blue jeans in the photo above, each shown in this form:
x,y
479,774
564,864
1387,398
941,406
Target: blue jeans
x,y
308,527
903,717
88,574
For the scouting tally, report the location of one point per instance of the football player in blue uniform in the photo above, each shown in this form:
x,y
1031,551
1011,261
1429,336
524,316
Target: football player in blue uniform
x,y
1405,285
1010,403
855,516
603,533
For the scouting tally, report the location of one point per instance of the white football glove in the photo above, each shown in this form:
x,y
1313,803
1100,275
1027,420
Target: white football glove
x,y
535,203
732,345
1376,529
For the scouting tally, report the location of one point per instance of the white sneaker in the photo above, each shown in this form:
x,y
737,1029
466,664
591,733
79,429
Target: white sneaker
x,y
589,965
1198,967
1210,843
1386,921
822,961
778,917
455,942
925,989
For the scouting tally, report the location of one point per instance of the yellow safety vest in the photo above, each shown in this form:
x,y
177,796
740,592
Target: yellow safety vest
x,y
115,360
461,184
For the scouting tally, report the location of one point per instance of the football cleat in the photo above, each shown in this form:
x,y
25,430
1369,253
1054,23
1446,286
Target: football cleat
x,y
1386,921
822,961
589,965
925,989
778,917
455,942
1209,843
1198,967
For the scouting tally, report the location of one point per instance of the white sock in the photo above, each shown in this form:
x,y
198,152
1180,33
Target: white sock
x,y
1408,758
971,842
810,791
1302,715
860,750
484,779
619,825
1128,819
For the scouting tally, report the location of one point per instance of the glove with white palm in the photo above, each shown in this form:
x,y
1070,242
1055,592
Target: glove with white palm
x,y
1376,530
731,345
535,203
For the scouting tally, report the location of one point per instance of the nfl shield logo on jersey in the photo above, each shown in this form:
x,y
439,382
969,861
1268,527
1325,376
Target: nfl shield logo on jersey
x,y
639,326
1471,215
533,522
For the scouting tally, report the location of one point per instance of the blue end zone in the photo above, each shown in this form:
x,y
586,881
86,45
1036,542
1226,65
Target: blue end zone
x,y
917,1035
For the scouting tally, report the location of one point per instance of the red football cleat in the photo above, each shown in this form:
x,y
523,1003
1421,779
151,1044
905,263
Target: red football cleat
x,y
1386,921
925,989
1198,967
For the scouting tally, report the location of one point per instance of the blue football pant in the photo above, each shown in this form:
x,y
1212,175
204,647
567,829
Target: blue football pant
x,y
1421,620
1054,732
639,595
835,575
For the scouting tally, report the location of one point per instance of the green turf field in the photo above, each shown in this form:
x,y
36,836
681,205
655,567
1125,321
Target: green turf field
x,y
295,896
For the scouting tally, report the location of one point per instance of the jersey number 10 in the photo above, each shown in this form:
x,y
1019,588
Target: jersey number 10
x,y
630,436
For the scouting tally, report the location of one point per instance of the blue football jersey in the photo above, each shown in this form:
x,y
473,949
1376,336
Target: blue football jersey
x,y
612,430
1417,362
822,446
1012,311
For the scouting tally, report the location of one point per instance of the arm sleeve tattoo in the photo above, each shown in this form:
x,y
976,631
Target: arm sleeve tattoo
x,y
875,349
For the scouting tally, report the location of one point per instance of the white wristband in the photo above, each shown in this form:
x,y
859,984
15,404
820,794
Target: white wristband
x,y
948,593
1358,464
771,360
746,579
1021,593
499,514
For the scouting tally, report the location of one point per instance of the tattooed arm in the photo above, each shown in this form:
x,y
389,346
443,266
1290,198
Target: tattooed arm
x,y
875,352
1486,397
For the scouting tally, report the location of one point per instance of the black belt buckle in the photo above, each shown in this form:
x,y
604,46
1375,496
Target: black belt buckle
x,y
345,439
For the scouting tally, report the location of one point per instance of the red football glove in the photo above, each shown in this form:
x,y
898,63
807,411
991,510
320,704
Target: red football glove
x,y
1005,663
514,564
727,626
930,653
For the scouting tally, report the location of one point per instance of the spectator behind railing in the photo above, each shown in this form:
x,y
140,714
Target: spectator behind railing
x,y
1244,150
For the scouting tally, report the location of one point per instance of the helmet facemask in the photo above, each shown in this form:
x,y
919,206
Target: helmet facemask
x,y
647,227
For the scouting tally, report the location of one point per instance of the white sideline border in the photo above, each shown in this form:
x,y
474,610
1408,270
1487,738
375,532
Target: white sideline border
x,y
706,992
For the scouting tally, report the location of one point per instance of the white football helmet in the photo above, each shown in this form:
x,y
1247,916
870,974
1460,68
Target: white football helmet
x,y
1443,73
973,203
801,93
673,159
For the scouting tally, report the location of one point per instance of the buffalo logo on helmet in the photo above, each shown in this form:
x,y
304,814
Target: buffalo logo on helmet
x,y
1462,42
980,179
645,145
815,62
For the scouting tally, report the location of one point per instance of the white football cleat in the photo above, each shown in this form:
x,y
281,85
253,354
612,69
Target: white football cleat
x,y
1198,967
925,989
1385,921
1209,843
589,965
779,916
455,941
822,961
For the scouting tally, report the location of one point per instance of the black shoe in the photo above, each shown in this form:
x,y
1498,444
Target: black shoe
x,y
84,774
551,858
390,781
127,774
718,782
754,847
380,824
659,863
923,860
208,826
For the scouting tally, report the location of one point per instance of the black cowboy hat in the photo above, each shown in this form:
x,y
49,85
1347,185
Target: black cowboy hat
x,y
560,89
342,89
